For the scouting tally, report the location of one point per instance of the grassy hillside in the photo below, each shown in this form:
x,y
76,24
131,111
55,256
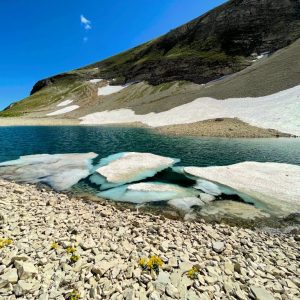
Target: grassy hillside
x,y
170,69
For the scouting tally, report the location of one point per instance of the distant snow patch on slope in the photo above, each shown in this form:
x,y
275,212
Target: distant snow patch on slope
x,y
280,111
275,184
95,80
110,89
63,110
65,103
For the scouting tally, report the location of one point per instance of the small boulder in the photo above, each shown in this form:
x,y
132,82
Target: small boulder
x,y
26,270
218,246
22,288
261,294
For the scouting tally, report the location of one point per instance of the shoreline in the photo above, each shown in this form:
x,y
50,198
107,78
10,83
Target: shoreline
x,y
221,127
199,260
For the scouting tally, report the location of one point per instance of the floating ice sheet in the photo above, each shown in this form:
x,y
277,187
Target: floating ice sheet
x,y
60,171
146,192
275,185
122,168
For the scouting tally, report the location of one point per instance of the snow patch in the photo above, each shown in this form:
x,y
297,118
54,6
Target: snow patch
x,y
95,80
280,111
110,89
64,110
65,103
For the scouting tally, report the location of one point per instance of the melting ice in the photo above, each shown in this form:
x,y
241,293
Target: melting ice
x,y
60,171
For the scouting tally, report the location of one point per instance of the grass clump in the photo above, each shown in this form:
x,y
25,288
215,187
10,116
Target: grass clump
x,y
71,250
74,295
74,258
54,246
153,263
5,242
193,273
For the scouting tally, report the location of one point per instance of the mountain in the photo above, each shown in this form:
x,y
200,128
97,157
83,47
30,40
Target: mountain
x,y
243,48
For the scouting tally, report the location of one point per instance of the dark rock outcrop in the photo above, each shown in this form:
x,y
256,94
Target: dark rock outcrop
x,y
216,44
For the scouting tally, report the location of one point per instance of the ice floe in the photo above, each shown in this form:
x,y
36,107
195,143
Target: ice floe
x,y
280,111
64,103
147,192
128,167
63,110
60,171
276,185
110,89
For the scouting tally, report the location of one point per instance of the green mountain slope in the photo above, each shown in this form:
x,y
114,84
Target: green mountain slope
x,y
169,70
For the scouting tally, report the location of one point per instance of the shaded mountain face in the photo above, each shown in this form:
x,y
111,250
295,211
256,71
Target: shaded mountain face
x,y
216,44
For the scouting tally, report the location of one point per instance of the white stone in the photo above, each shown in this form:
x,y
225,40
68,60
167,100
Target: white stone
x,y
26,270
261,294
22,288
218,246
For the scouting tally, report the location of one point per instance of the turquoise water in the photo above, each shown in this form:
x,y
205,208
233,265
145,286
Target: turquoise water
x,y
16,141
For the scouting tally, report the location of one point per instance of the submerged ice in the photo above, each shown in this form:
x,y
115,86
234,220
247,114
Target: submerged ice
x,y
140,193
60,171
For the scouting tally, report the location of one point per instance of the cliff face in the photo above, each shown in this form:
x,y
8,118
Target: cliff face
x,y
214,45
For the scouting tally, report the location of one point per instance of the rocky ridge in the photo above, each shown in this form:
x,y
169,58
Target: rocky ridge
x,y
66,248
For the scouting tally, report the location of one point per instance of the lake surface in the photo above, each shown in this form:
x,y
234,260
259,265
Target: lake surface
x,y
105,141
17,141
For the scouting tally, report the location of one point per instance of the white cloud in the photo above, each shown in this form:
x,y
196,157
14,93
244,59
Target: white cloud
x,y
85,22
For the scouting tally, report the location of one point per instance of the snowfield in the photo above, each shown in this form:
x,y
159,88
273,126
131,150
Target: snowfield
x,y
110,89
280,111
63,110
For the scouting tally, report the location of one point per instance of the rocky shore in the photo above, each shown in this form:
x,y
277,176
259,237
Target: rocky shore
x,y
220,127
55,246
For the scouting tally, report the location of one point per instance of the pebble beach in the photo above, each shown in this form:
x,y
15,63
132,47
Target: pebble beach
x,y
56,246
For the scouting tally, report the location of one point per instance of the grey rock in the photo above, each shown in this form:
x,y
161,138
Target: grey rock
x,y
218,246
261,294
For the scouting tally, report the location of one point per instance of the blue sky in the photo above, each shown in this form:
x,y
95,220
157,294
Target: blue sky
x,y
43,38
